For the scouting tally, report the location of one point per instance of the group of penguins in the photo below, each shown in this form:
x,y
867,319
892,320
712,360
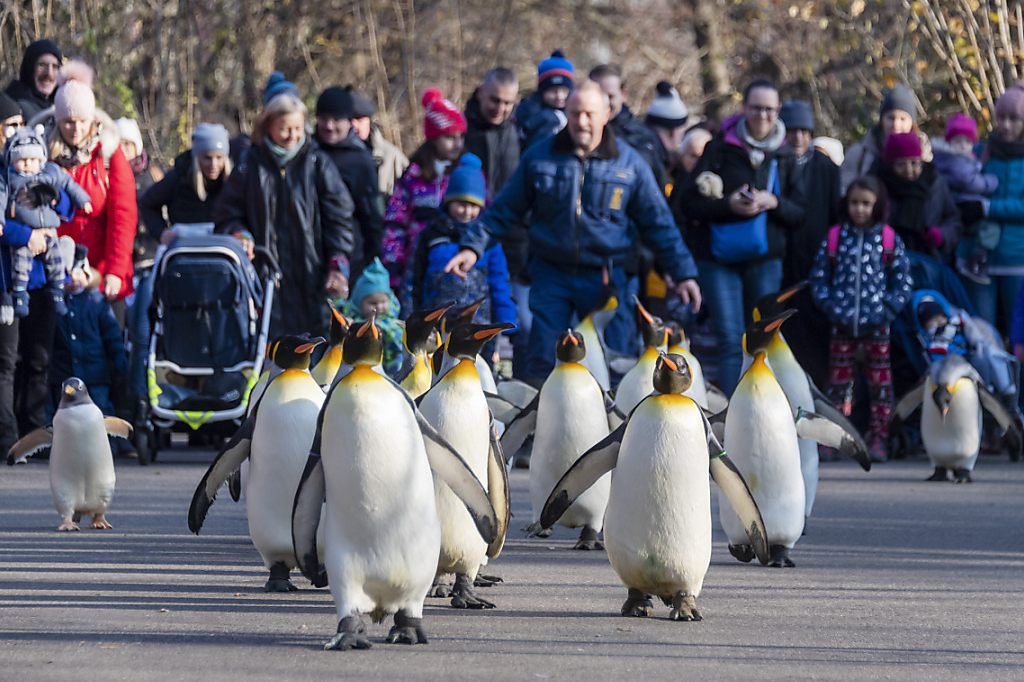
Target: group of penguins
x,y
383,489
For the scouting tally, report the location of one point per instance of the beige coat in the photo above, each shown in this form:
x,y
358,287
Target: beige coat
x,y
390,160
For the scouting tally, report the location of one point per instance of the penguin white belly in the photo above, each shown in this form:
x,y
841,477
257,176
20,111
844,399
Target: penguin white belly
x,y
571,418
486,375
658,525
458,410
638,382
284,431
793,379
381,534
594,360
760,437
81,464
953,442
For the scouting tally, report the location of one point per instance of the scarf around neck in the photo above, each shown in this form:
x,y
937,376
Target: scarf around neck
x,y
758,149
284,156
907,215
998,148
69,157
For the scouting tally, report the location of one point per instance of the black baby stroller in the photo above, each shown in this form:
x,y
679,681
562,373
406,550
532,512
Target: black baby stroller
x,y
209,317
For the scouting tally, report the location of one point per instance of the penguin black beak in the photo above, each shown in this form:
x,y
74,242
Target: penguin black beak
x,y
310,345
648,318
491,332
470,310
941,396
368,326
669,363
435,315
339,318
792,291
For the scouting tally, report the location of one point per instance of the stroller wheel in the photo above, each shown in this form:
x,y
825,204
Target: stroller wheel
x,y
145,445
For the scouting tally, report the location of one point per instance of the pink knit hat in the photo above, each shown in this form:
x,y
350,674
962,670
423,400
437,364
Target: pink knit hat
x,y
902,146
1011,102
961,124
74,94
442,116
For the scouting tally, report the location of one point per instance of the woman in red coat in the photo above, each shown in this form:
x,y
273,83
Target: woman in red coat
x,y
84,142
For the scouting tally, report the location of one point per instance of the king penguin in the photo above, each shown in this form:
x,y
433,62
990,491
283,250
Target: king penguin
x,y
638,382
442,362
420,339
371,459
658,523
275,438
81,464
325,370
457,407
678,344
592,329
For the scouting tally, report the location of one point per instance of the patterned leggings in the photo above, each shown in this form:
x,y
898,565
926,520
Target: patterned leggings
x,y
843,350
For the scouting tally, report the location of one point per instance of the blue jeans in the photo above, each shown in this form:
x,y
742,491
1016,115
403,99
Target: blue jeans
x,y
524,320
621,334
730,293
557,299
995,299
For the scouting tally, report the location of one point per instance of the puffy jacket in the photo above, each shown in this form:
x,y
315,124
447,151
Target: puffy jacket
x,y
410,207
858,288
964,177
1006,207
88,343
17,235
303,215
109,233
584,213
536,121
177,192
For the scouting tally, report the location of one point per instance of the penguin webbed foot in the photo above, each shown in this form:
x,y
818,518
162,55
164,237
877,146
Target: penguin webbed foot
x,y
351,635
962,476
684,608
487,580
463,596
67,525
99,522
940,474
535,530
279,580
637,604
744,553
440,589
588,540
780,557
406,630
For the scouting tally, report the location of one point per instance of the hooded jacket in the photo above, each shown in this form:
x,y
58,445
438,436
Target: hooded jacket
x,y
536,121
23,89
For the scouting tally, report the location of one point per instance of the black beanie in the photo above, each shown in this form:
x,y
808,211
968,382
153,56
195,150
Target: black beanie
x,y
344,102
8,107
900,97
32,54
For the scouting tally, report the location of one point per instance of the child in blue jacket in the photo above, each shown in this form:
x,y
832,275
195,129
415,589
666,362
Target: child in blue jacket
x,y
439,242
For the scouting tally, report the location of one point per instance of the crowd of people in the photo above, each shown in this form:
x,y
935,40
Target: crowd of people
x,y
535,205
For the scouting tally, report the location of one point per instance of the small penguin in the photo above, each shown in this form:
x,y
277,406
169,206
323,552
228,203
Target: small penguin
x,y
457,407
275,438
638,382
325,370
761,435
658,523
952,397
592,328
371,459
81,464
420,339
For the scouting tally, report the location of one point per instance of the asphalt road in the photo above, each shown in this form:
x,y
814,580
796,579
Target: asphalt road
x,y
896,579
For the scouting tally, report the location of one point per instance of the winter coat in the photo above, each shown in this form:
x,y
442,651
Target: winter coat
x,y
177,193
432,286
43,216
88,342
536,121
391,162
391,329
727,157
584,213
1006,207
303,215
30,101
939,211
17,235
862,157
964,178
858,288
359,173
409,209
816,181
634,132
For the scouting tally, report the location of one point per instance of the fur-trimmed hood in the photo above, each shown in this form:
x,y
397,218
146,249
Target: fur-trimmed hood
x,y
110,138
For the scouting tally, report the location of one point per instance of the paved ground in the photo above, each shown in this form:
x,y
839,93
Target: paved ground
x,y
897,579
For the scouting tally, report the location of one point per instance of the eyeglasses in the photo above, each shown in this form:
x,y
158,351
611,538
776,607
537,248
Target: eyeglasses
x,y
762,111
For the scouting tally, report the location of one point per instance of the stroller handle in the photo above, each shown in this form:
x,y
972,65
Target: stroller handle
x,y
263,253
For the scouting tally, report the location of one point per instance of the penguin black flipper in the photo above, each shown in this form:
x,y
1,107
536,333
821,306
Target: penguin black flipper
x,y
235,485
31,443
592,465
498,492
520,428
718,402
715,424
824,407
729,479
502,409
909,402
1008,422
817,428
519,393
615,416
227,461
309,500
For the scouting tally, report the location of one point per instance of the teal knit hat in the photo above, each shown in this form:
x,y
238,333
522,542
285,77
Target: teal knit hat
x,y
373,280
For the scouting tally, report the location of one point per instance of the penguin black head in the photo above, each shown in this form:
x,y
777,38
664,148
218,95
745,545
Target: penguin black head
x,y
942,396
773,305
459,315
73,392
760,333
420,328
676,335
651,328
339,327
672,374
292,352
364,344
466,340
570,347
602,315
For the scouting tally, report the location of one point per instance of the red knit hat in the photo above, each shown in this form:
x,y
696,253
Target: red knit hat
x,y
902,146
442,116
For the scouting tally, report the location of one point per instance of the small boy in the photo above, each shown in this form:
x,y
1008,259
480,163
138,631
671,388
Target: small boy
x,y
439,242
371,296
542,114
33,186
970,189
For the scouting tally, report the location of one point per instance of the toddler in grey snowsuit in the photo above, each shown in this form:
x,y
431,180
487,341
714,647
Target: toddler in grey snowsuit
x,y
32,186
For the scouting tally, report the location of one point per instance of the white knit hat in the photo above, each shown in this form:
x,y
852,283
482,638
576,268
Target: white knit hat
x,y
129,131
74,98
667,109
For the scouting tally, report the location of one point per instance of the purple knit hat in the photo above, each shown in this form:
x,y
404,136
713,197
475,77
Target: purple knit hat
x,y
961,124
903,146
1011,102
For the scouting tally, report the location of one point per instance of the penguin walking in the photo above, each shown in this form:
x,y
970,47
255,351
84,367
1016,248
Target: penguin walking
x,y
81,464
275,439
371,459
952,397
762,436
592,329
638,382
420,339
325,370
658,523
457,407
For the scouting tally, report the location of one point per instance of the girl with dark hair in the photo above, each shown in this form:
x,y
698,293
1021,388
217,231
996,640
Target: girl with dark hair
x,y
861,281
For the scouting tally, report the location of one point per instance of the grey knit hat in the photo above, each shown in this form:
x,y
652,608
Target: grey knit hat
x,y
25,143
210,138
667,109
797,114
902,98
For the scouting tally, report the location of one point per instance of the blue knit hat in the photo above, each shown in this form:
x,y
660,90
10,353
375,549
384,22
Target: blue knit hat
x,y
466,182
797,114
554,71
374,279
276,85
